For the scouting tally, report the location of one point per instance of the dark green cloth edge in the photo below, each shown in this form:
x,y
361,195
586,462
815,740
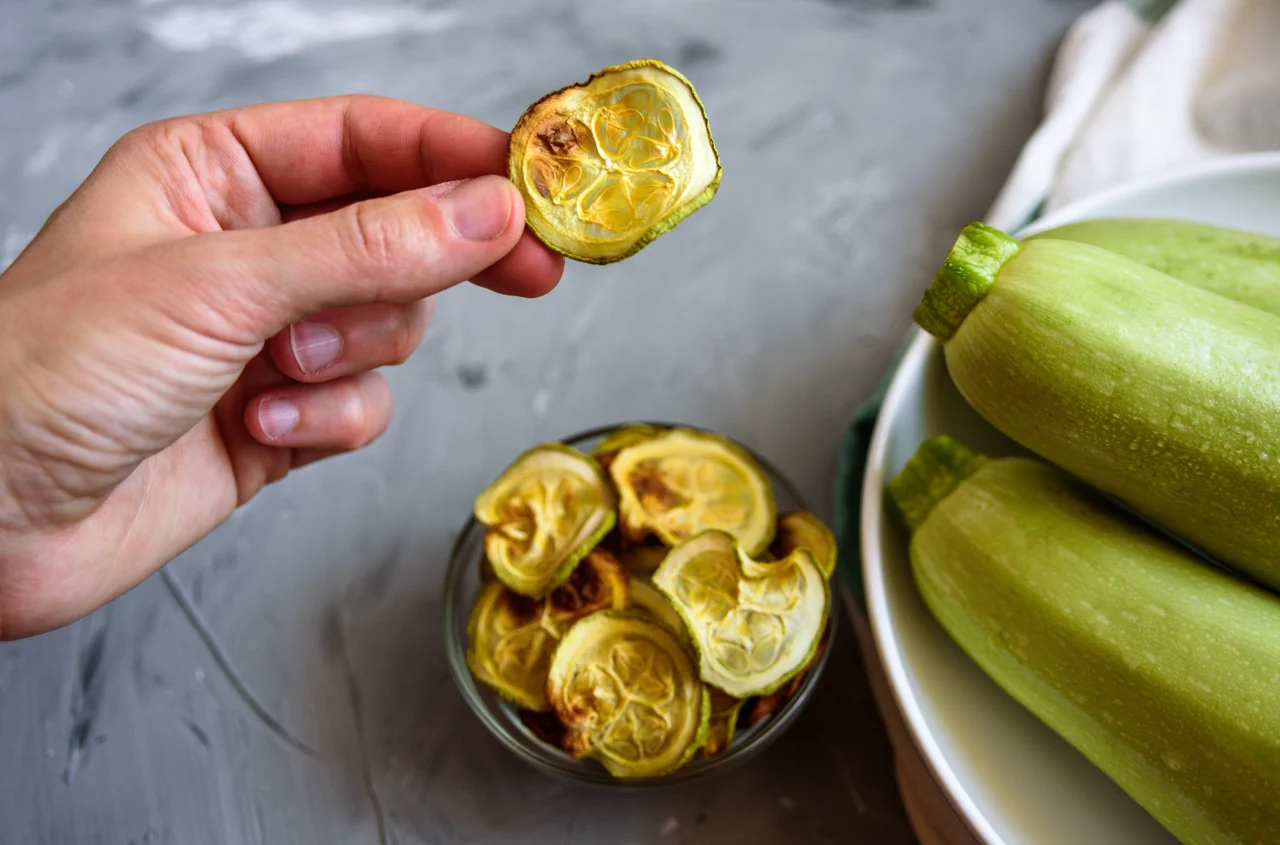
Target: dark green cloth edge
x,y
851,466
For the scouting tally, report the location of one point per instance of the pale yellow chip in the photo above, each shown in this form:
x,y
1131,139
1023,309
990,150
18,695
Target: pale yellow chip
x,y
543,514
609,165
511,637
680,483
755,624
628,695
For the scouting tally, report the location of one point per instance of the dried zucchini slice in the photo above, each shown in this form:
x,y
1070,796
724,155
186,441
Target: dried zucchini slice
x,y
648,599
766,705
628,695
620,438
512,637
608,165
509,651
755,625
684,482
723,723
599,583
642,558
801,529
544,513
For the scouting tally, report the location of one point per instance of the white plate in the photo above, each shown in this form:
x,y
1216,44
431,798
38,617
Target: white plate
x,y
1015,781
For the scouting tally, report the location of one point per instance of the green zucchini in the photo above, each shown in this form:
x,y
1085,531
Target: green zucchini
x,y
1162,669
1239,265
1163,395
1244,266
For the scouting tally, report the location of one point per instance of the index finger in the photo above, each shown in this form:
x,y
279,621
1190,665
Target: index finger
x,y
307,151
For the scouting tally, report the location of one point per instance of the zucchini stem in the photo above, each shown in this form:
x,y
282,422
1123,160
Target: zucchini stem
x,y
964,278
937,467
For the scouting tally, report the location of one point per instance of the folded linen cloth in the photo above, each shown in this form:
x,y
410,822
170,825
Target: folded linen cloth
x,y
1138,87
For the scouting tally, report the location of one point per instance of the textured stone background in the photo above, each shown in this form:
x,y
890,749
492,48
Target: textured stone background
x,y
857,137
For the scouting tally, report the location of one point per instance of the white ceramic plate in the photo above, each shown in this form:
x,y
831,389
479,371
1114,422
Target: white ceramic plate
x,y
1015,781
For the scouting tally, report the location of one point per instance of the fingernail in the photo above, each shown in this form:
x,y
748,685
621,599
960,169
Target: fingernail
x,y
315,346
479,209
277,417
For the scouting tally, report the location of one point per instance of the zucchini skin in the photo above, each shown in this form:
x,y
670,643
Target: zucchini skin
x,y
1159,393
1244,266
1163,670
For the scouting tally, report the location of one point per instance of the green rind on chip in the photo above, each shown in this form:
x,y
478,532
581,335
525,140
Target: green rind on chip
x,y
588,679
549,479
661,490
807,615
661,169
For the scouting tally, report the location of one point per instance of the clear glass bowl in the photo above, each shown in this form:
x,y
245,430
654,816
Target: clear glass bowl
x,y
462,583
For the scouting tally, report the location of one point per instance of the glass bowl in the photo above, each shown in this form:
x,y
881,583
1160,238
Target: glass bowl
x,y
462,583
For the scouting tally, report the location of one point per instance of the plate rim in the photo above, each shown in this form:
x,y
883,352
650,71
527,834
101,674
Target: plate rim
x,y
872,495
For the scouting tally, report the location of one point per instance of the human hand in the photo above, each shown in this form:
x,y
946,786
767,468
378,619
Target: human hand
x,y
204,313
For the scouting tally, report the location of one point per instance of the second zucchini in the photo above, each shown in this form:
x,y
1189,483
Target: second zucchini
x,y
1158,667
1244,266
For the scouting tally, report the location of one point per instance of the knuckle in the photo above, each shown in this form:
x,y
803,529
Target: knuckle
x,y
375,239
143,137
136,147
176,134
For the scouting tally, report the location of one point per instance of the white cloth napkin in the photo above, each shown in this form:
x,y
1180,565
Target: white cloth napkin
x,y
1137,87
1142,87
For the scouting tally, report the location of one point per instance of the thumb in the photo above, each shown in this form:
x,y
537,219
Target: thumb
x,y
398,249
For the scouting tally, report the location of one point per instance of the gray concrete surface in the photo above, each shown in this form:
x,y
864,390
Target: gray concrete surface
x,y
285,682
